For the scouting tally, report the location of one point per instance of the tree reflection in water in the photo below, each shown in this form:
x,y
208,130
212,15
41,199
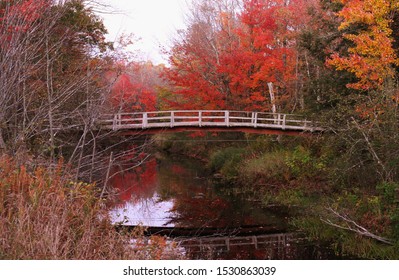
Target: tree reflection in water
x,y
180,193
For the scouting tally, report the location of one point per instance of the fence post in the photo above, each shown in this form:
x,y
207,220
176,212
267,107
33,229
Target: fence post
x,y
200,118
284,121
114,123
226,118
119,119
277,119
145,120
256,120
172,119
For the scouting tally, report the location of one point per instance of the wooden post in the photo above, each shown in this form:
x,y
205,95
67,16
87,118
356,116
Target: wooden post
x,y
284,121
226,118
256,120
255,241
114,122
200,118
119,119
227,242
172,119
145,120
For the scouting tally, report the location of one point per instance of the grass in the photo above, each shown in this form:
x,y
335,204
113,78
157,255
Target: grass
x,y
269,165
46,216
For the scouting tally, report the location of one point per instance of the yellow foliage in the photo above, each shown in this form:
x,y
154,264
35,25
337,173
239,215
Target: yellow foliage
x,y
372,57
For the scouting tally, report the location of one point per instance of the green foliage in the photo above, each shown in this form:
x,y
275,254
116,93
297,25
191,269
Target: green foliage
x,y
292,197
303,165
227,161
389,191
269,166
88,27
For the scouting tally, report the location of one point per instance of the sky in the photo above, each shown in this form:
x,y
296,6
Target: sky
x,y
153,21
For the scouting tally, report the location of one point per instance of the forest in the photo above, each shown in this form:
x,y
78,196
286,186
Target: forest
x,y
335,62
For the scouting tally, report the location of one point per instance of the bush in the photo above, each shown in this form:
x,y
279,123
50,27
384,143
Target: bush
x,y
303,165
388,191
227,161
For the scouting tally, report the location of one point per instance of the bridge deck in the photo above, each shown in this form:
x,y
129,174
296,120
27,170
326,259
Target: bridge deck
x,y
205,120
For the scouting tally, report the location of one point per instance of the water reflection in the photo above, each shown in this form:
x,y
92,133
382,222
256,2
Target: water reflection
x,y
179,193
210,221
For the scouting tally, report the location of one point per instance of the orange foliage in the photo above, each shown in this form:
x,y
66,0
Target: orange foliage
x,y
372,57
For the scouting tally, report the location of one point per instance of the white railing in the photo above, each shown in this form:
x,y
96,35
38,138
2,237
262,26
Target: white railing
x,y
171,119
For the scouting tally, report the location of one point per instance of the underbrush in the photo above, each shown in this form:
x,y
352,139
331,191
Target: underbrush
x,y
45,215
329,205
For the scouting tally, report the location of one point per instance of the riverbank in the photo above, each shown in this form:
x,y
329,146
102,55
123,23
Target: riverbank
x,y
44,214
355,215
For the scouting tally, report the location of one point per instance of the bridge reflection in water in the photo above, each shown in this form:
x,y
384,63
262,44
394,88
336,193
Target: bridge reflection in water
x,y
266,246
271,246
254,122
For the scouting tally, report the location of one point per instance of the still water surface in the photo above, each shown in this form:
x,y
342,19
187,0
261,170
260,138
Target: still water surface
x,y
171,192
179,194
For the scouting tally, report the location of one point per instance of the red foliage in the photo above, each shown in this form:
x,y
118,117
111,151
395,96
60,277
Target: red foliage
x,y
17,16
135,184
131,96
234,69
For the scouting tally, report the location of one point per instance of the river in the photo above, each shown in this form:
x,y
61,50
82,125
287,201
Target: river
x,y
178,197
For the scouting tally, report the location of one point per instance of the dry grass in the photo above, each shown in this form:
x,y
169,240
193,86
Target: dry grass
x,y
43,215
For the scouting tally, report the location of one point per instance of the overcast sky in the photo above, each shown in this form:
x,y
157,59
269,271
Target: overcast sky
x,y
154,21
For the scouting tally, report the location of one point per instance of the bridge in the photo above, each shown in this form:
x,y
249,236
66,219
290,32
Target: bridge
x,y
210,120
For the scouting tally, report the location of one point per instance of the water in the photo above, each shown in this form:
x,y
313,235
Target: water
x,y
179,198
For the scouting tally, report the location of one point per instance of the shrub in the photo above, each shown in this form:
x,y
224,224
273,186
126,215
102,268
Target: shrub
x,y
227,161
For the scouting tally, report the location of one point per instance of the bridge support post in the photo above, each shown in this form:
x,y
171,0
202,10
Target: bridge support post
x,y
277,119
145,120
227,118
114,122
255,119
172,119
119,119
284,121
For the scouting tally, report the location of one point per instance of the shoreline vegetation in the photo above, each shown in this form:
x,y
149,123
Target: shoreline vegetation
x,y
302,175
45,215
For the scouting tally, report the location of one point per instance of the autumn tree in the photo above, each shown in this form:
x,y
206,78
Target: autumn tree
x,y
135,86
195,58
263,59
372,57
49,72
244,59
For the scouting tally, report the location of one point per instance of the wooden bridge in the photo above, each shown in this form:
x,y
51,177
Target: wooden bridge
x,y
252,122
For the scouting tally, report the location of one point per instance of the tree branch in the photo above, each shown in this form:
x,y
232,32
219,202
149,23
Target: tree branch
x,y
353,226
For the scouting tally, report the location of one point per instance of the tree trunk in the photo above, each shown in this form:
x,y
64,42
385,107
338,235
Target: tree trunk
x,y
272,98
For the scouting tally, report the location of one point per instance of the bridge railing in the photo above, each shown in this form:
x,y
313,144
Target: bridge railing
x,y
205,118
